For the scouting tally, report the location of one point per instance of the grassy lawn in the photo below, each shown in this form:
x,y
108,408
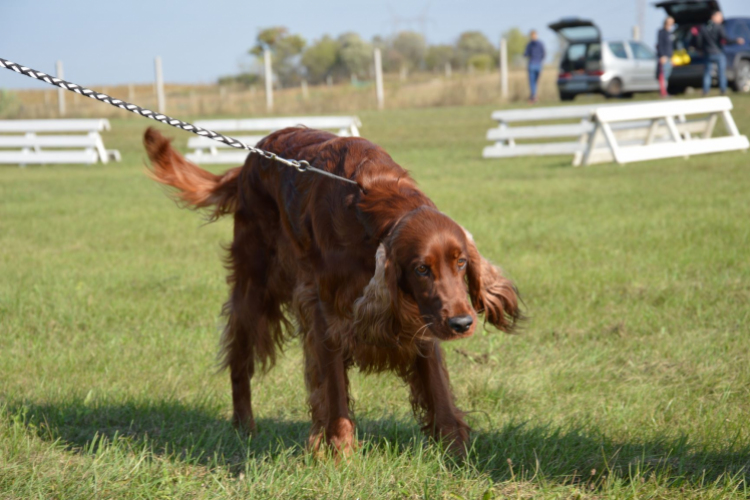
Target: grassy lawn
x,y
631,377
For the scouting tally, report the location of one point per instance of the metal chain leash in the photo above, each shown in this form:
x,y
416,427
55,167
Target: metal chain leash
x,y
299,165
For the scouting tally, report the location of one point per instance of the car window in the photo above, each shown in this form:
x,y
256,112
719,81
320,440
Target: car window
x,y
618,49
594,52
641,51
740,30
577,52
582,57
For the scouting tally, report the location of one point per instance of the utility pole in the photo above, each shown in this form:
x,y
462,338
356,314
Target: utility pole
x,y
641,13
60,91
269,80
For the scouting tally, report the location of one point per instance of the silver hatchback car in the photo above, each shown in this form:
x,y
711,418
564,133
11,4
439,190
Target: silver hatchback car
x,y
615,68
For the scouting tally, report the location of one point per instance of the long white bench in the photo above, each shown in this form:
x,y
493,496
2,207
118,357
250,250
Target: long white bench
x,y
25,142
205,150
626,132
505,136
664,116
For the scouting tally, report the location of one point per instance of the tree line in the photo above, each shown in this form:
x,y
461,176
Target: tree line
x,y
349,56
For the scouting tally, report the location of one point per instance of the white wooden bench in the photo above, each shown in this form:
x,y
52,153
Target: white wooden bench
x,y
660,116
205,150
627,132
505,136
25,142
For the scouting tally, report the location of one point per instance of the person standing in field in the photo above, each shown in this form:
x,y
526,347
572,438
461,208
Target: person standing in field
x,y
711,39
664,51
535,54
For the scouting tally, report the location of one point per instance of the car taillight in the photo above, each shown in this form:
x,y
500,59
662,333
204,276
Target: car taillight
x,y
564,75
595,73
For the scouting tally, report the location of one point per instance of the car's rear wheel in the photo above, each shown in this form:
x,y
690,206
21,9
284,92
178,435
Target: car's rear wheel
x,y
614,88
566,96
742,79
673,89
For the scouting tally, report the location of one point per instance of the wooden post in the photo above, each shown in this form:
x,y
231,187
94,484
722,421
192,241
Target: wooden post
x,y
329,80
448,70
503,68
193,103
269,79
305,93
131,92
160,101
222,99
379,79
60,91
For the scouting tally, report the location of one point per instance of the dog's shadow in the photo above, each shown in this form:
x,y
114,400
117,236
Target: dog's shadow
x,y
200,434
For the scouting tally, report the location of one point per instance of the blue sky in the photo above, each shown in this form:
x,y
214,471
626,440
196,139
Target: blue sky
x,y
114,42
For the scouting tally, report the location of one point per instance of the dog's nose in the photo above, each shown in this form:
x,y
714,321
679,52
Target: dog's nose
x,y
461,323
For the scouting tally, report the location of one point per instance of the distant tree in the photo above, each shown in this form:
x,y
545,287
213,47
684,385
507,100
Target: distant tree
x,y
355,55
472,43
284,50
516,41
412,48
319,60
438,55
481,62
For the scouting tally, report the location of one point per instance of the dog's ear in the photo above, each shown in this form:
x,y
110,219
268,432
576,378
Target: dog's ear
x,y
376,317
491,293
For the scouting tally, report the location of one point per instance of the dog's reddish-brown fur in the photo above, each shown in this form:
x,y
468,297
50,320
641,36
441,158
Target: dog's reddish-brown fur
x,y
374,275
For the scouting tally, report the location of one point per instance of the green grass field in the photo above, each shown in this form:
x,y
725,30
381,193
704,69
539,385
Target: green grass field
x,y
630,379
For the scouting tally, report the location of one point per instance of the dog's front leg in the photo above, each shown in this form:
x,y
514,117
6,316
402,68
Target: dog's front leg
x,y
433,402
328,385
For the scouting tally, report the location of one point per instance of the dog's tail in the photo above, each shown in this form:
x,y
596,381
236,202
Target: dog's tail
x,y
196,188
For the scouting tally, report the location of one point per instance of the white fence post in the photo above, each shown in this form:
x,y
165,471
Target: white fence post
x,y
636,32
503,68
160,104
60,91
269,79
305,92
448,70
379,79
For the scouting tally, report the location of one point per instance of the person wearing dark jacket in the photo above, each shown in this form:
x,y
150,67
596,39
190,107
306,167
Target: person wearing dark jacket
x,y
711,39
535,54
664,51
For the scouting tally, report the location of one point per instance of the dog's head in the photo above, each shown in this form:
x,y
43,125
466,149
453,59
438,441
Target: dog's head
x,y
431,281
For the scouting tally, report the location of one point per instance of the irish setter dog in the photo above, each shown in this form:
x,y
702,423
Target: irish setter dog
x,y
373,275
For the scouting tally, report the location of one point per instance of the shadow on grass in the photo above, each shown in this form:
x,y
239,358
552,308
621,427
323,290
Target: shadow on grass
x,y
202,435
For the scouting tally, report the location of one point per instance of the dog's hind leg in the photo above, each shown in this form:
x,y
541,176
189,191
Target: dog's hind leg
x,y
253,329
239,357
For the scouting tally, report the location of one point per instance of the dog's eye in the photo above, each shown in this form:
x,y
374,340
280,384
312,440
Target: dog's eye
x,y
461,263
422,270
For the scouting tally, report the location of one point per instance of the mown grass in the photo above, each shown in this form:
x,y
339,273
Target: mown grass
x,y
631,378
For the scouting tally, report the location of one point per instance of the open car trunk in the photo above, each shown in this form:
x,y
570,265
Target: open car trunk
x,y
690,11
577,30
583,53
